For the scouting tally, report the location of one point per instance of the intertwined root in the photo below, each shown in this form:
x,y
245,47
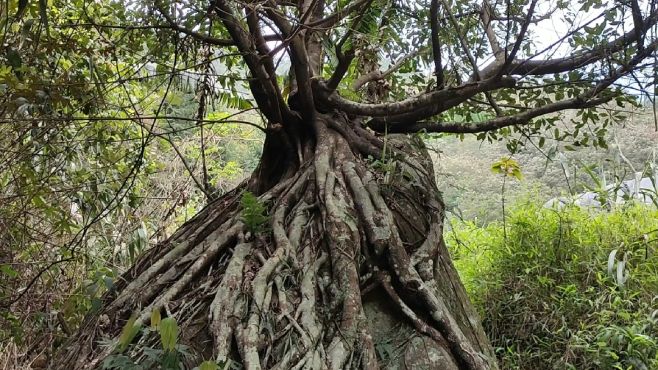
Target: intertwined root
x,y
291,296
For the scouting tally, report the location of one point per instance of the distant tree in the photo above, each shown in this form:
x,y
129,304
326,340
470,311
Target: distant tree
x,y
340,262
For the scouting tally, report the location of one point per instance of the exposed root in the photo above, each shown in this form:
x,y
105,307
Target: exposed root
x,y
222,312
291,296
192,272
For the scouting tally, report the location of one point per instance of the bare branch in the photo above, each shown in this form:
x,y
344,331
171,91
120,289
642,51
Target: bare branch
x,y
313,37
266,93
260,43
344,61
519,39
638,23
196,35
299,59
486,16
462,41
330,20
345,58
172,24
436,43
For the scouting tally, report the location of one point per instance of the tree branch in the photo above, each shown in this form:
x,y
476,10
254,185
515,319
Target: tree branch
x,y
436,43
588,99
493,124
436,100
574,61
330,20
486,16
379,75
638,23
196,35
299,60
345,58
266,92
462,41
172,24
519,40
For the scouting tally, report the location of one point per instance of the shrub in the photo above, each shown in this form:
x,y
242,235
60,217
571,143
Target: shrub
x,y
549,299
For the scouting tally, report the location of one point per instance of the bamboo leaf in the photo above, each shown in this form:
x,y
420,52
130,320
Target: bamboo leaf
x,y
128,332
155,319
611,261
168,333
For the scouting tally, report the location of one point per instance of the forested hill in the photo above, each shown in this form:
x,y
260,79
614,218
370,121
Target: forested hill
x,y
473,191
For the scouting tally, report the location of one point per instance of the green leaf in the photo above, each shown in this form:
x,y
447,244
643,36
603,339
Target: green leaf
x,y
8,270
128,332
507,167
168,333
253,212
155,319
208,365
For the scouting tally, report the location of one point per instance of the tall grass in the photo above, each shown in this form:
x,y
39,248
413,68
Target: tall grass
x,y
545,293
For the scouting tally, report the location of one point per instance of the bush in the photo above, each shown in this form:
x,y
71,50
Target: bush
x,y
545,286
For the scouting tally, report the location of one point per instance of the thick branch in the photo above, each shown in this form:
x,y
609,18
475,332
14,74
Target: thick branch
x,y
337,16
494,124
379,75
519,39
314,10
638,23
345,58
588,99
299,59
266,93
435,101
573,61
486,16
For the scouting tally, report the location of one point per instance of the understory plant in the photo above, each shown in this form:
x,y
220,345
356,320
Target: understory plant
x,y
565,289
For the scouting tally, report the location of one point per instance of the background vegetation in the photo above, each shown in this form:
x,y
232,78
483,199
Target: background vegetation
x,y
565,289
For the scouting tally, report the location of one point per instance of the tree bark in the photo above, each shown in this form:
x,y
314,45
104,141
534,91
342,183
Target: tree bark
x,y
350,271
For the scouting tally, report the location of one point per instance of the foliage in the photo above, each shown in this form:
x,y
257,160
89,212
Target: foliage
x,y
96,128
507,166
253,212
545,294
168,356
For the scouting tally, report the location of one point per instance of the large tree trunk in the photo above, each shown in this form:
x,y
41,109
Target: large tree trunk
x,y
350,272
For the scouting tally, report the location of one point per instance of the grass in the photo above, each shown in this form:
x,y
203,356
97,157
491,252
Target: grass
x,y
549,300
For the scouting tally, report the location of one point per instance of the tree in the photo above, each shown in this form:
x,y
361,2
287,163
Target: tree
x,y
338,260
